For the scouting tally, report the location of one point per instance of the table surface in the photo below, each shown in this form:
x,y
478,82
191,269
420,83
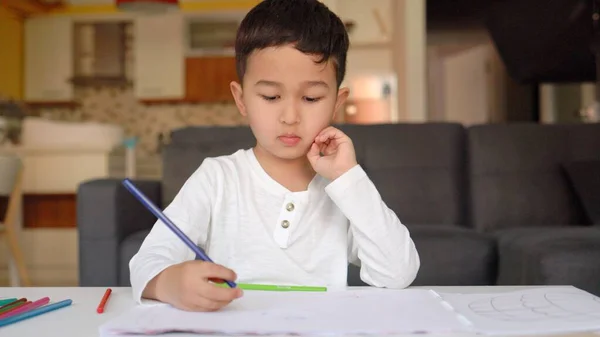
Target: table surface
x,y
81,320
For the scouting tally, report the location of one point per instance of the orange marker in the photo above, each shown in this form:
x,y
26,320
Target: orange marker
x,y
103,301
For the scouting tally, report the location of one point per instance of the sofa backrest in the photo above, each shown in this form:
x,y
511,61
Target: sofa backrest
x,y
419,169
516,173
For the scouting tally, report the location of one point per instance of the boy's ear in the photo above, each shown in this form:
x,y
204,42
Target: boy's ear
x,y
238,94
342,96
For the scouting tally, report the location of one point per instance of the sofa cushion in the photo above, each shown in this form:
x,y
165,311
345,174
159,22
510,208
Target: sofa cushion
x,y
585,179
454,256
129,247
540,256
210,134
574,263
516,178
419,169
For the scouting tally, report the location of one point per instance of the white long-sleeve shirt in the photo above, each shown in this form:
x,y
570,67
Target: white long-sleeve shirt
x,y
248,222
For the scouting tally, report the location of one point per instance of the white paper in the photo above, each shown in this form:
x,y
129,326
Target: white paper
x,y
531,311
362,311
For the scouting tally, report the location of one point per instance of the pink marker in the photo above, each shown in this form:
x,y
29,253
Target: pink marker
x,y
26,307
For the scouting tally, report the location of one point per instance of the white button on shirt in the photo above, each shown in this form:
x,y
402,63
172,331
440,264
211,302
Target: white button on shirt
x,y
250,223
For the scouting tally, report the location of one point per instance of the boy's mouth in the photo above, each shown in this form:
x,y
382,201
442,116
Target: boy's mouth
x,y
289,139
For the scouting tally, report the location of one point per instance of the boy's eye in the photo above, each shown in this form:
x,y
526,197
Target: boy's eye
x,y
312,99
269,98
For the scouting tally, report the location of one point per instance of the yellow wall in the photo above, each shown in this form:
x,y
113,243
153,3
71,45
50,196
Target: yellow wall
x,y
11,55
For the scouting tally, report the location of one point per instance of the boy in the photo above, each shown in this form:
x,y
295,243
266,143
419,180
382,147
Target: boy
x,y
297,207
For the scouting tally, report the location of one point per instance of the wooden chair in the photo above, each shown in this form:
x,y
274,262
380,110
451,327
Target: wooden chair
x,y
11,177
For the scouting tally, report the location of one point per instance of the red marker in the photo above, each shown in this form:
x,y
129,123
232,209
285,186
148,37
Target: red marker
x,y
103,301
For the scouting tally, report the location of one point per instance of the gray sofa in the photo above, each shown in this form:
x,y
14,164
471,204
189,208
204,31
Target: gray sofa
x,y
488,204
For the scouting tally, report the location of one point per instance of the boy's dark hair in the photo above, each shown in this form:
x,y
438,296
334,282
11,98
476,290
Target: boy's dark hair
x,y
308,24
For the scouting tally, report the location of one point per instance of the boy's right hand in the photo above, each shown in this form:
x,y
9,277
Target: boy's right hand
x,y
186,286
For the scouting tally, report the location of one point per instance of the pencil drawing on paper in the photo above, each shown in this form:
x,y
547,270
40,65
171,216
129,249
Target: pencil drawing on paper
x,y
539,307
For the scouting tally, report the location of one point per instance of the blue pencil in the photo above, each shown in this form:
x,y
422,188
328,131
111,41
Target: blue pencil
x,y
35,312
159,214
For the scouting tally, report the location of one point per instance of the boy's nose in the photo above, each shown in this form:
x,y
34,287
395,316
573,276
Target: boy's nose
x,y
290,115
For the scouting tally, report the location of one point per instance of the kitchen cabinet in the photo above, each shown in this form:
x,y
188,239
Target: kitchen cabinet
x,y
159,72
208,78
372,20
48,59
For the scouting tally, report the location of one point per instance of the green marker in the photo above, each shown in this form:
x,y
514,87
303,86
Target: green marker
x,y
7,300
270,287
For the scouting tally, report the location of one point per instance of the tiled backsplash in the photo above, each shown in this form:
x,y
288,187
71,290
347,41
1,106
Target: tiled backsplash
x,y
119,106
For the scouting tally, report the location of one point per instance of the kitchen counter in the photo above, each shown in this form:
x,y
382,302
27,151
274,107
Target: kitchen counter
x,y
59,170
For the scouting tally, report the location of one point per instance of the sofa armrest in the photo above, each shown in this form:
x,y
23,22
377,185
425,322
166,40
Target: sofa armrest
x,y
106,214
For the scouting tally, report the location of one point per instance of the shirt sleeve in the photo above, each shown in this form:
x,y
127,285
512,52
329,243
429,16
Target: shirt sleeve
x,y
378,242
190,210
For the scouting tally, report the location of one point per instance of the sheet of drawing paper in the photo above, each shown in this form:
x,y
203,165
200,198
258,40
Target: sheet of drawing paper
x,y
362,311
532,311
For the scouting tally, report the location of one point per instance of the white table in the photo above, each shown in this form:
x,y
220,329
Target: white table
x,y
81,320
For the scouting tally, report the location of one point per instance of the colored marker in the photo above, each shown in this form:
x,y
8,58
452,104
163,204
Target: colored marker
x,y
35,312
7,300
157,213
26,307
272,287
12,305
100,308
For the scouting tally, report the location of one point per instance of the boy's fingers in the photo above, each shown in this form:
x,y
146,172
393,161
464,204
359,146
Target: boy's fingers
x,y
215,271
314,152
220,294
330,133
205,304
216,280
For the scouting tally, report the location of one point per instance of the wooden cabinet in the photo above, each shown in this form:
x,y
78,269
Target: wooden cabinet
x,y
159,57
208,78
49,210
162,73
48,59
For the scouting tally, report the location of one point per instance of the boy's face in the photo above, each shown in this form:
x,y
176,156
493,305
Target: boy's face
x,y
288,99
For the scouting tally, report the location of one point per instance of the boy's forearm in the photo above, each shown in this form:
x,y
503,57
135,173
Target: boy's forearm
x,y
382,243
147,274
150,292
155,289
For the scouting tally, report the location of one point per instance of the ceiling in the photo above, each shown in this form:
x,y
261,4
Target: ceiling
x,y
23,8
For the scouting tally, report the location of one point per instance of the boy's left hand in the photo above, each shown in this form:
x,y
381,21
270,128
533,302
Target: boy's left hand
x,y
332,153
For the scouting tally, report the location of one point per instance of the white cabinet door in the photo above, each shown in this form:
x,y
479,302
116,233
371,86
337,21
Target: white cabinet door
x,y
48,59
372,20
159,57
